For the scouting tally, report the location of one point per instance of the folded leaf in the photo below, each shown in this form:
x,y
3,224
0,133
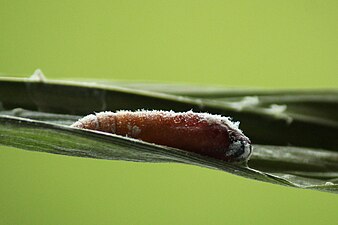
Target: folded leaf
x,y
36,115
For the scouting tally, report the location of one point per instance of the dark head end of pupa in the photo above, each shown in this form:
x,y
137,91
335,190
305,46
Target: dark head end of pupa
x,y
240,148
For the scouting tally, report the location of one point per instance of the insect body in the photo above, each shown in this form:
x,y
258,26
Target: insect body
x,y
211,135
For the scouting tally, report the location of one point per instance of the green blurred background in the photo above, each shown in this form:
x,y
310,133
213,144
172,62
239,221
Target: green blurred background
x,y
269,44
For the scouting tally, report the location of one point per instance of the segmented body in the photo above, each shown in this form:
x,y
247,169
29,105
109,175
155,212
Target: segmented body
x,y
211,135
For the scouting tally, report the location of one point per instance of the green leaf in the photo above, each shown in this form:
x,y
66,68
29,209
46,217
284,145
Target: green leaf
x,y
35,116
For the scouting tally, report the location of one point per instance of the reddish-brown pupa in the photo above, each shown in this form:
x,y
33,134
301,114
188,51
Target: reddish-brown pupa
x,y
211,135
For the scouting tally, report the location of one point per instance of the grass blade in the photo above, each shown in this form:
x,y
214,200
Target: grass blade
x,y
37,116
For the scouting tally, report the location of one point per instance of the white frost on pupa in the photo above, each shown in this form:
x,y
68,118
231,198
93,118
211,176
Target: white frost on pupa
x,y
112,117
210,118
87,120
